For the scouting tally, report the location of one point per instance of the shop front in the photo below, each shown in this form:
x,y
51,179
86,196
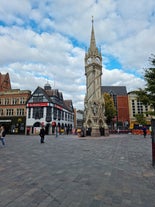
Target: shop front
x,y
14,125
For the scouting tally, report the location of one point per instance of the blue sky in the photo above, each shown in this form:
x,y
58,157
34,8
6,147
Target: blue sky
x,y
45,41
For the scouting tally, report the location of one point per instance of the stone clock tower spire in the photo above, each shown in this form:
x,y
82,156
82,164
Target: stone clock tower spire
x,y
94,119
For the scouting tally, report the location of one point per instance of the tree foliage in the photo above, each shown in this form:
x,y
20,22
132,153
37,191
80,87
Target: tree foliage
x,y
147,95
110,110
140,119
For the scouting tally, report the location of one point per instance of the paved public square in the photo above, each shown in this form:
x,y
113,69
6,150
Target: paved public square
x,y
69,171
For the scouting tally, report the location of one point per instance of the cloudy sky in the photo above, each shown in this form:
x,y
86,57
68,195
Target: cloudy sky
x,y
45,41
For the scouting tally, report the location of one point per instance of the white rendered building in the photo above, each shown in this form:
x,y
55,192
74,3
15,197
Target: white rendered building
x,y
46,107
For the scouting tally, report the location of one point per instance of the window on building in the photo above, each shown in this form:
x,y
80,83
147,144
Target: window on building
x,y
20,112
1,101
139,107
1,112
59,114
62,115
9,112
29,113
22,100
37,112
66,116
72,118
133,108
37,99
14,101
48,114
7,101
54,113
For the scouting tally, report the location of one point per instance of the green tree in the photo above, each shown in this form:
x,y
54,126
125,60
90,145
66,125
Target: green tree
x,y
147,95
140,119
110,110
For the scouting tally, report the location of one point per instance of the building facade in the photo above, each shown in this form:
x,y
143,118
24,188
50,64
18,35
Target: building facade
x,y
94,119
79,119
46,107
13,110
136,107
120,98
5,83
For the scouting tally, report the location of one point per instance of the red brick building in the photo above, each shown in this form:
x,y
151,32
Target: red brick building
x,y
120,98
5,82
12,106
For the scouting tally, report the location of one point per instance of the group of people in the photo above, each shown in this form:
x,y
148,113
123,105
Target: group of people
x,y
42,134
2,135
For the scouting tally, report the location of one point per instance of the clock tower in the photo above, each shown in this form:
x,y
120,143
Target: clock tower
x,y
94,107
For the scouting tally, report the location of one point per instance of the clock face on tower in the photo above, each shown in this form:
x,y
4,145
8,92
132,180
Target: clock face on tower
x,y
97,60
89,60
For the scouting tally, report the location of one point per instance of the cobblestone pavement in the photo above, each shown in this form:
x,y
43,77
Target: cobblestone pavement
x,y
69,171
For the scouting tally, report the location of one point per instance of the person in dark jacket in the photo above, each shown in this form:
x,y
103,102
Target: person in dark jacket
x,y
144,131
42,135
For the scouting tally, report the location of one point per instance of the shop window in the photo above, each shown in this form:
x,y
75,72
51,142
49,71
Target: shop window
x,y
62,115
38,112
54,113
59,114
48,114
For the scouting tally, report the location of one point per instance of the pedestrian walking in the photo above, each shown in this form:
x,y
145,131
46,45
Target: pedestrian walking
x,y
42,135
144,131
67,130
56,131
2,135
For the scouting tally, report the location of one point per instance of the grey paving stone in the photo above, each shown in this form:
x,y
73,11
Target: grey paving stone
x,y
77,172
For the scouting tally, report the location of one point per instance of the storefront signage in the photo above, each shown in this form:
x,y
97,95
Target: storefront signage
x,y
58,107
37,104
7,120
19,120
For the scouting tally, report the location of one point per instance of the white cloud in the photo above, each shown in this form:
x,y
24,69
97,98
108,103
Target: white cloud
x,y
44,41
121,79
